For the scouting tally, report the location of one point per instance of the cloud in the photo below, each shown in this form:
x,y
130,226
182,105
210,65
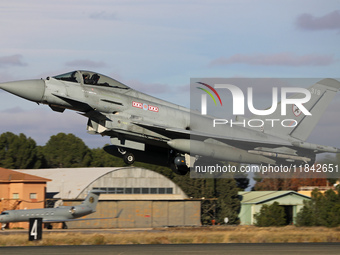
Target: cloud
x,y
81,63
40,124
149,88
35,119
103,15
330,21
13,60
5,77
279,59
142,86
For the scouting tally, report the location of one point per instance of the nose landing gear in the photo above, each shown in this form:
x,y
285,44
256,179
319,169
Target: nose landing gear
x,y
128,157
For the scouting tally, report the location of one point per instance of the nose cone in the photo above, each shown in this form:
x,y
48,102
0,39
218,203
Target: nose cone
x,y
31,89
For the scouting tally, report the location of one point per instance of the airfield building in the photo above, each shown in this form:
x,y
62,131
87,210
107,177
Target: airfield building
x,y
144,197
252,201
21,191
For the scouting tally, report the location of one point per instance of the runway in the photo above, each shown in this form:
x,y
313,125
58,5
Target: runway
x,y
79,231
164,249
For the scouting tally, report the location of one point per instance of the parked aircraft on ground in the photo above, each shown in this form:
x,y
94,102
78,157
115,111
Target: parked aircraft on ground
x,y
53,215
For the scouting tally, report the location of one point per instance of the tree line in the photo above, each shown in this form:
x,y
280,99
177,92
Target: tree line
x,y
321,210
220,196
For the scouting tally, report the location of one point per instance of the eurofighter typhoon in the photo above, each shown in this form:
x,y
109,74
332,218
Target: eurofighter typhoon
x,y
147,129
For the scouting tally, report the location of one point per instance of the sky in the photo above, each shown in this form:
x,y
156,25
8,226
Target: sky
x,y
157,46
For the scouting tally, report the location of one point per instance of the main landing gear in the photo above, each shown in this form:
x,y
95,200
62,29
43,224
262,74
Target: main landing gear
x,y
128,157
49,226
175,160
179,165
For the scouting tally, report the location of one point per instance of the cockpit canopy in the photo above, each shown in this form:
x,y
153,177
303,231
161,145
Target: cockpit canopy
x,y
90,78
4,213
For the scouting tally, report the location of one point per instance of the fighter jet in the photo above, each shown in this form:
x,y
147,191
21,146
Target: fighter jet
x,y
53,215
147,129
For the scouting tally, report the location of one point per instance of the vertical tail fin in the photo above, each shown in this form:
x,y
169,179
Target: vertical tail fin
x,y
92,199
322,94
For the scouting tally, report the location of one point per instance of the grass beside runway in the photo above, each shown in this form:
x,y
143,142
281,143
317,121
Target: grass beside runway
x,y
232,234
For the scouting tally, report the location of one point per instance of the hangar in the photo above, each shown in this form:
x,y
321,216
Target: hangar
x,y
144,197
252,201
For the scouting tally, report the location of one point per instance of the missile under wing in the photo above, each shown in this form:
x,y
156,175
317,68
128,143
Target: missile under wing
x,y
147,129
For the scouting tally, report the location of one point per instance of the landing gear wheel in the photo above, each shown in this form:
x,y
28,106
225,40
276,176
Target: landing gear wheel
x,y
129,158
64,226
180,170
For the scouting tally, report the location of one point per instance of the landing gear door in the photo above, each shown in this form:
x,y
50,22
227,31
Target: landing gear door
x,y
127,144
